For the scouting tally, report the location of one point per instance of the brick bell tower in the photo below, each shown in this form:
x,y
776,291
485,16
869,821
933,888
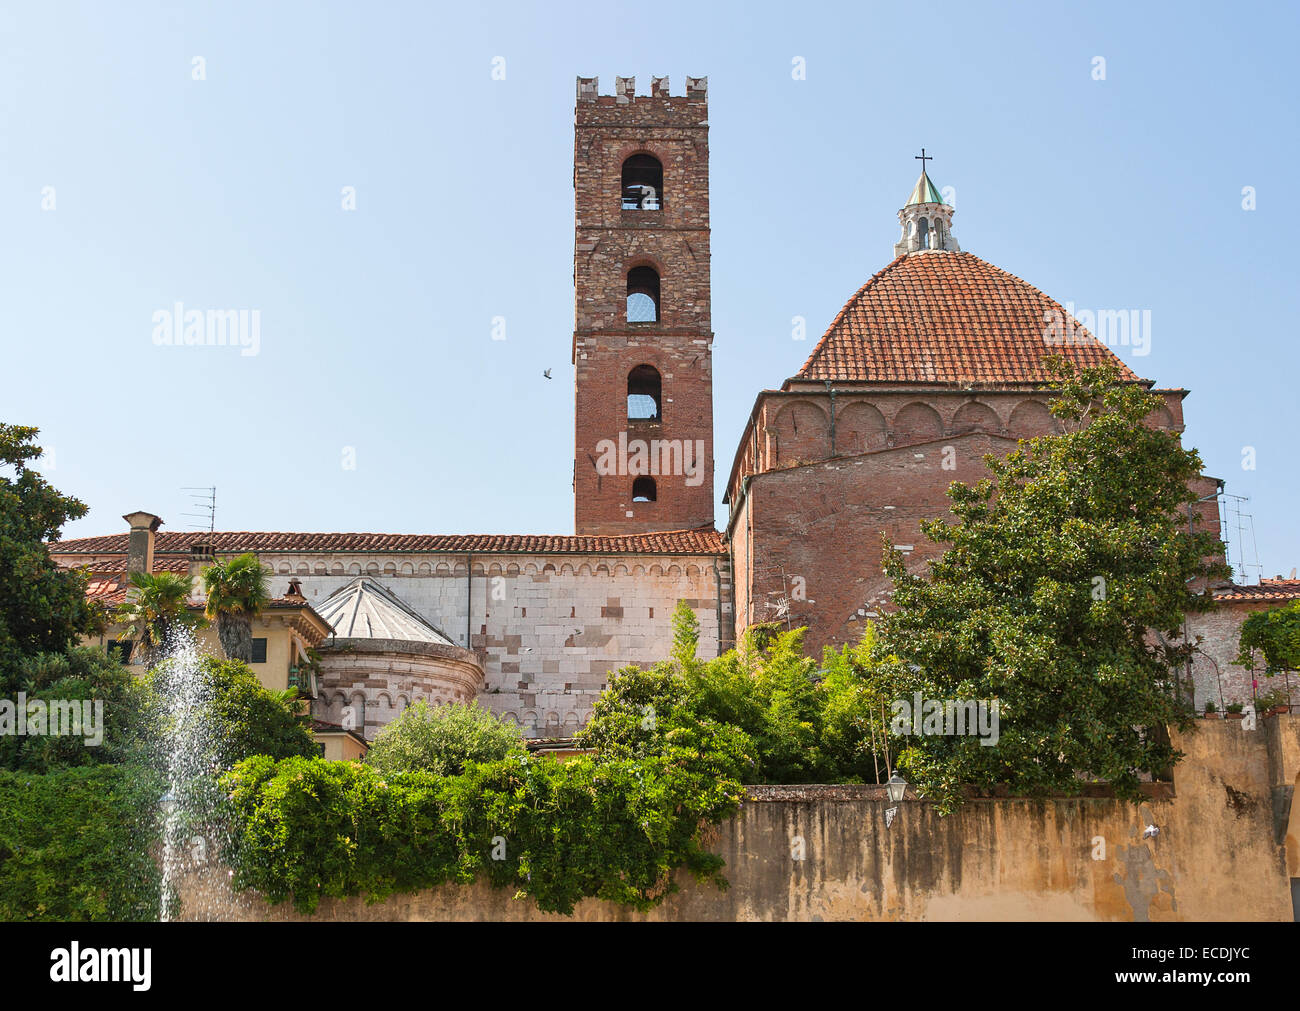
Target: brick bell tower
x,y
642,338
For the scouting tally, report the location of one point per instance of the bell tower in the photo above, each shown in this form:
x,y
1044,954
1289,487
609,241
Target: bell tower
x,y
926,218
642,336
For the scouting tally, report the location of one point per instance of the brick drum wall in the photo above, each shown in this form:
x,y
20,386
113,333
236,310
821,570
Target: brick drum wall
x,y
811,493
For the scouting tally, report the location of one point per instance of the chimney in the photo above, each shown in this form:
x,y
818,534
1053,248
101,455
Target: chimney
x,y
202,554
139,547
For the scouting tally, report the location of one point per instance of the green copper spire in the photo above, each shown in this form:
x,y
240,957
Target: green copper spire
x,y
924,192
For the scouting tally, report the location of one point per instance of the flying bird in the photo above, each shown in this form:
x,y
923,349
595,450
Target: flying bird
x,y
547,373
1150,832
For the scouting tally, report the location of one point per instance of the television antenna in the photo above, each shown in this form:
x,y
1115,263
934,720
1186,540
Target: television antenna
x,y
205,500
1241,524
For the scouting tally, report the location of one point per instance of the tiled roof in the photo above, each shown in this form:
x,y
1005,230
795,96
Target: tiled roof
x,y
109,592
326,727
671,542
108,566
1266,590
108,583
947,317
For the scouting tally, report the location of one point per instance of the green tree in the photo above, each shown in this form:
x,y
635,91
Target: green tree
x,y
1275,633
245,718
789,738
89,674
43,608
854,698
156,605
686,635
237,593
1059,568
443,740
753,713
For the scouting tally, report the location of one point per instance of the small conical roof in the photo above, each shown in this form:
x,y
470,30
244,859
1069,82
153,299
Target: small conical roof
x,y
924,192
365,610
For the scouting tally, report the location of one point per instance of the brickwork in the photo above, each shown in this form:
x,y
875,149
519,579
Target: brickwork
x,y
821,474
673,240
808,538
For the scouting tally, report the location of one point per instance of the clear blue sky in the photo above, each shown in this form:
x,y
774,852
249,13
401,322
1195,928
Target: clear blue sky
x,y
376,324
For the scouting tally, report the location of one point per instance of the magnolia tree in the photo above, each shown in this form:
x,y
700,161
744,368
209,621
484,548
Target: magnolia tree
x,y
43,608
1061,596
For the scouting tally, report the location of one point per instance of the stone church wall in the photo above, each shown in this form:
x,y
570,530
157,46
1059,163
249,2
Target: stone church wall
x,y
548,628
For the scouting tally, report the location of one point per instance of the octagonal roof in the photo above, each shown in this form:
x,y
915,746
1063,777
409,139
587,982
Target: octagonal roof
x,y
363,609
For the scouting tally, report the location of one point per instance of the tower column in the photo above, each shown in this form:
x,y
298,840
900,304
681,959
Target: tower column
x,y
642,339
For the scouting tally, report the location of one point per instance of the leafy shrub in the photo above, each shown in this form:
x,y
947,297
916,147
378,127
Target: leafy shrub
x,y
555,831
442,740
75,844
855,695
308,827
616,826
761,713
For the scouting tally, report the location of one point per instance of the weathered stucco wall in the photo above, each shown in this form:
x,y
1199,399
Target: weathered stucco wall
x,y
1220,854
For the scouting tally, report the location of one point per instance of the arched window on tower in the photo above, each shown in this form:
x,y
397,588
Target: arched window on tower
x,y
643,489
644,388
642,295
922,233
643,183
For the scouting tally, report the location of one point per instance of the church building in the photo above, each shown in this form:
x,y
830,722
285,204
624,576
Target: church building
x,y
935,361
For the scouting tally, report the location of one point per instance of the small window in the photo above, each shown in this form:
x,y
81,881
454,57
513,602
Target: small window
x,y
120,649
320,749
259,651
643,489
642,295
643,393
643,183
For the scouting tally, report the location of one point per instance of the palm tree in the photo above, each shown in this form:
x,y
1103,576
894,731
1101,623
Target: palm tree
x,y
237,594
158,605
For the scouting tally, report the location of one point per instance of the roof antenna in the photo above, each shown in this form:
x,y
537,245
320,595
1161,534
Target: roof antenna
x,y
207,502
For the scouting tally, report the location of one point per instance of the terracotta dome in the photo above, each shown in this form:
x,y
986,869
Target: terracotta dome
x,y
946,317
